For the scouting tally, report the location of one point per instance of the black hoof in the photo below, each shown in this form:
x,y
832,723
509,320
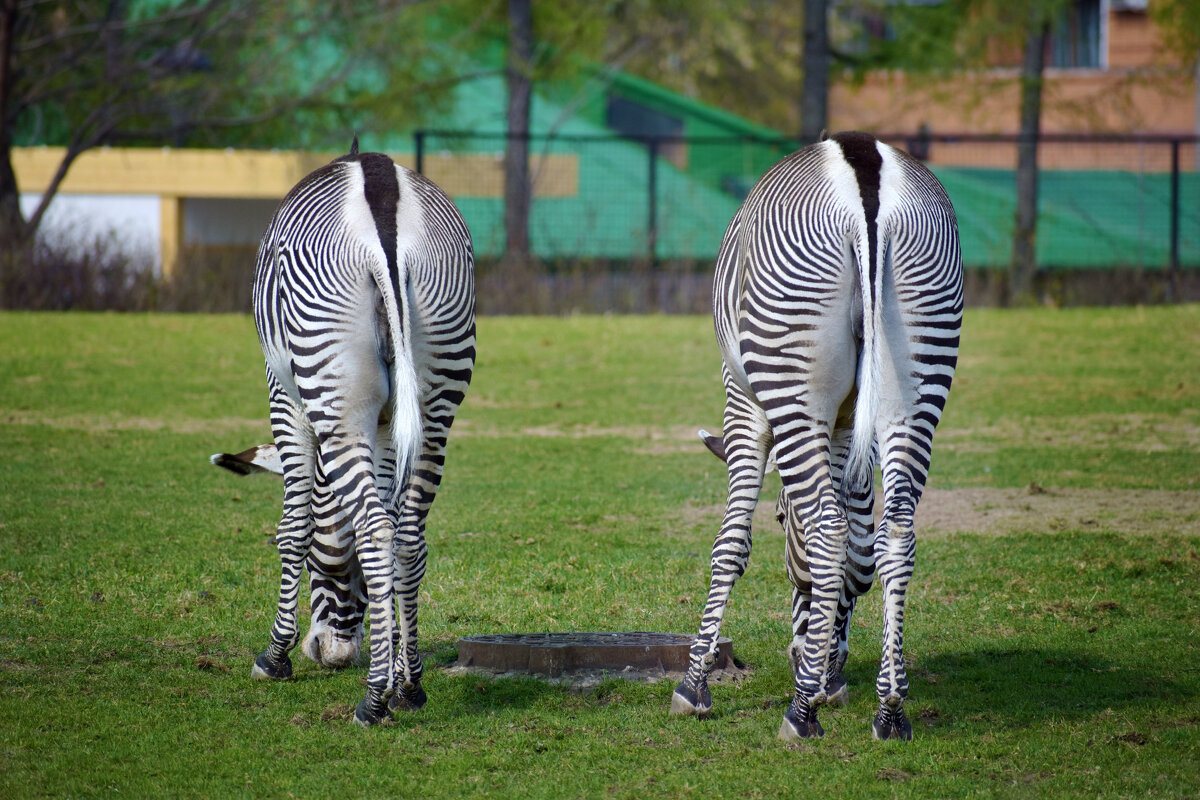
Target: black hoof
x,y
891,724
800,723
266,669
409,697
368,714
690,702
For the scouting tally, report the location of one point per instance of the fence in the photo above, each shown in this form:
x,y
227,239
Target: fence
x,y
634,224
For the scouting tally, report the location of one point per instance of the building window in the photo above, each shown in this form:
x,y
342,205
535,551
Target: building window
x,y
1075,37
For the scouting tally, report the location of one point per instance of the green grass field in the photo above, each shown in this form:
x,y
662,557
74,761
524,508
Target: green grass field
x,y
1057,657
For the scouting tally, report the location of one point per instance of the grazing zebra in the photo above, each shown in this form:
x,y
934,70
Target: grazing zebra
x,y
837,302
365,307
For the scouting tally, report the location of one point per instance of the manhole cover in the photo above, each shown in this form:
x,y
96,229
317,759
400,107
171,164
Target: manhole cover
x,y
552,654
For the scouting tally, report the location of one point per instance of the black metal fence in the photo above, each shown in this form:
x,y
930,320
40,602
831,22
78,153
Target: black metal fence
x,y
628,224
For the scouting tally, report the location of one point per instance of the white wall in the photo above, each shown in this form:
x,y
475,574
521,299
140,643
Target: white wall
x,y
131,222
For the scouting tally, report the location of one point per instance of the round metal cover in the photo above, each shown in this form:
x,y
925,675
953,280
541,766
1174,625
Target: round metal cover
x,y
552,654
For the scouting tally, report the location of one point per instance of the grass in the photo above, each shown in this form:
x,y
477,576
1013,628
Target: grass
x,y
137,582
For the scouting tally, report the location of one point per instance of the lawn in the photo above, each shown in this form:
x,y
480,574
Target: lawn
x,y
1053,626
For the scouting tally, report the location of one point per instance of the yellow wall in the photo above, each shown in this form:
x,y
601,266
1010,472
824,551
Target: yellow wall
x,y
175,175
263,174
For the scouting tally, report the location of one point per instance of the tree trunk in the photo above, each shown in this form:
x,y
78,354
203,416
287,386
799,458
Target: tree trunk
x,y
814,101
14,233
516,152
1023,266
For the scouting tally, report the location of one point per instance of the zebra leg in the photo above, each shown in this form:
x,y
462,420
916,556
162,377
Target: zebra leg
x,y
440,402
294,535
859,504
895,554
859,570
339,597
816,526
410,557
350,469
747,442
797,570
920,336
823,543
347,462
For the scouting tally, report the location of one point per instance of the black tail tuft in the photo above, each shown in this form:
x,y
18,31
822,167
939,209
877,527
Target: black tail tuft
x,y
354,146
233,463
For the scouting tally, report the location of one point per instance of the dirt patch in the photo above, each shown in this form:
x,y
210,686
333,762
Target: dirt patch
x,y
89,423
1038,510
1142,433
648,440
1030,510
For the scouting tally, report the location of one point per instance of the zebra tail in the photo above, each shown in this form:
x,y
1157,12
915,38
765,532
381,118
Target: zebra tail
x,y
406,402
860,466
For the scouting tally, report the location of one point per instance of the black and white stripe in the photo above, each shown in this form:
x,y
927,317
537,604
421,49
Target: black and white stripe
x,y
365,306
837,302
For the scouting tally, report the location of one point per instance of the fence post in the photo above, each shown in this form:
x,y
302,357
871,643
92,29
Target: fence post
x,y
419,147
652,205
1174,207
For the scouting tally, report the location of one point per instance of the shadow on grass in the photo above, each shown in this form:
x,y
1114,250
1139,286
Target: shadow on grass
x,y
472,695
1027,686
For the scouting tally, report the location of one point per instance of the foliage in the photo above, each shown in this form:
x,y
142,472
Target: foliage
x,y
204,73
219,72
1179,24
743,57
936,38
137,581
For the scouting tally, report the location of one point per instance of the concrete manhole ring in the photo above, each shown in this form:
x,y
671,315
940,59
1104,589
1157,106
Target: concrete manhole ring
x,y
556,654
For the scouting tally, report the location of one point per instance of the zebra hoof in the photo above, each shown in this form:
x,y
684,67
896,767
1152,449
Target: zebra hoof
x,y
688,702
891,724
369,714
800,723
409,697
266,670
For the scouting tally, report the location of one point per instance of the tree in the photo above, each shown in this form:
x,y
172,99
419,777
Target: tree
x,y
518,72
573,41
814,99
1023,265
961,35
742,57
102,72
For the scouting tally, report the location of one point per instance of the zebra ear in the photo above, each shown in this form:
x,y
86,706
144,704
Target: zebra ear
x,y
715,444
263,458
354,146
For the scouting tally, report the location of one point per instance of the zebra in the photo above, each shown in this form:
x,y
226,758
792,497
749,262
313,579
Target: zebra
x,y
364,302
837,303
